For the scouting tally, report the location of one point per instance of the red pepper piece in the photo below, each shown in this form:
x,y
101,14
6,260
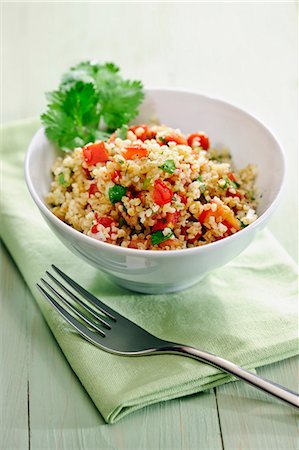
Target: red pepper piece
x,y
95,153
172,137
116,176
93,188
135,151
199,140
183,198
162,194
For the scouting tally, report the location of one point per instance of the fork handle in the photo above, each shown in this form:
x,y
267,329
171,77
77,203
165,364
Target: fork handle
x,y
278,391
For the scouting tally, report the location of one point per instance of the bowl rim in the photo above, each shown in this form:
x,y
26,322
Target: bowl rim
x,y
160,254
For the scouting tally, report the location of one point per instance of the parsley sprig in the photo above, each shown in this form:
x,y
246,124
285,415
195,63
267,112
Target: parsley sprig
x,y
90,94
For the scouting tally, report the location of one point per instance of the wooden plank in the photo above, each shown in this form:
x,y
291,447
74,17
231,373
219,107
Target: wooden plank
x,y
250,419
13,359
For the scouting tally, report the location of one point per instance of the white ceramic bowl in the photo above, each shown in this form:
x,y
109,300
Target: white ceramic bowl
x,y
153,271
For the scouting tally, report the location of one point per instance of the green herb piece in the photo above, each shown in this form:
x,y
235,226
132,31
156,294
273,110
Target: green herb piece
x,y
146,183
168,166
202,187
162,139
122,222
159,237
199,177
87,95
234,184
62,180
229,182
122,132
116,193
250,195
243,225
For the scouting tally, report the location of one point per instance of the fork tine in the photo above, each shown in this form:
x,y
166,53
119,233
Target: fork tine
x,y
82,329
74,309
77,300
102,307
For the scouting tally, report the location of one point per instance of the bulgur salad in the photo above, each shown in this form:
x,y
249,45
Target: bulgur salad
x,y
153,188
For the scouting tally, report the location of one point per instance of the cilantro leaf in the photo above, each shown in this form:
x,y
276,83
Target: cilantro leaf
x,y
90,94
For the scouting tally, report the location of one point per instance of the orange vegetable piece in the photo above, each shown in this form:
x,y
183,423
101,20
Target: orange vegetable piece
x,y
94,153
135,151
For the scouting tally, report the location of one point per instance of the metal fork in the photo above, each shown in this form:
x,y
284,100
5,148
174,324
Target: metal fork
x,y
114,333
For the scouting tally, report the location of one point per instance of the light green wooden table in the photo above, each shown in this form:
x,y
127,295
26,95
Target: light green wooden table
x,y
243,52
44,406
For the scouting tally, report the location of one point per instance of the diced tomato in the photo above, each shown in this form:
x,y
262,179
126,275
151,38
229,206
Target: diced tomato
x,y
184,232
87,173
231,176
161,194
93,188
143,132
204,215
173,217
230,194
135,151
95,153
112,137
116,176
227,216
105,221
169,221
173,137
134,244
227,224
191,241
160,224
94,228
166,243
141,195
183,198
199,140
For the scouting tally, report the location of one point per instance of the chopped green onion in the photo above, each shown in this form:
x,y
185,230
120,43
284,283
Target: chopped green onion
x,y
116,193
202,187
159,237
168,166
199,177
234,184
146,183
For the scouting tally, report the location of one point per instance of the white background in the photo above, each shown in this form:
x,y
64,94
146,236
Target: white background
x,y
243,52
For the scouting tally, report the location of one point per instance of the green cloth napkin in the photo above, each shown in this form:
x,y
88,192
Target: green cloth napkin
x,y
244,311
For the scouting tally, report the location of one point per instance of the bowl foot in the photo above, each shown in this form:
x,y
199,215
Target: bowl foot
x,y
147,288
